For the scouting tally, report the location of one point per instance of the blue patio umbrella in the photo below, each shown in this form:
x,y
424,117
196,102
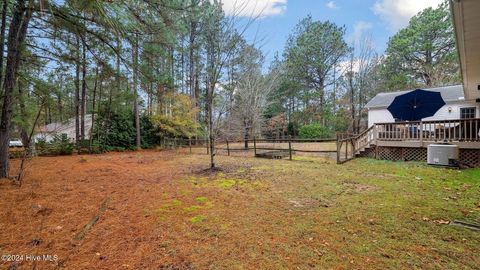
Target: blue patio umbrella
x,y
416,105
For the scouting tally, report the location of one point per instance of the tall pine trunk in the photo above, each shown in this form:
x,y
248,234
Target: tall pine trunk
x,y
16,36
83,108
77,92
23,113
211,137
135,93
209,97
93,107
3,28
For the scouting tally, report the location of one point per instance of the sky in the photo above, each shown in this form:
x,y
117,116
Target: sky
x,y
276,19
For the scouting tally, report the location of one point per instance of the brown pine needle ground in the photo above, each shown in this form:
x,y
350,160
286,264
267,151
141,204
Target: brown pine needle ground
x,y
166,212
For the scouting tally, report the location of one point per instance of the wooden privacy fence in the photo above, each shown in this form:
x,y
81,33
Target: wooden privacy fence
x,y
266,148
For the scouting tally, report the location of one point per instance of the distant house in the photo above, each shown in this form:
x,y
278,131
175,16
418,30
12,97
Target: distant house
x,y
456,106
49,131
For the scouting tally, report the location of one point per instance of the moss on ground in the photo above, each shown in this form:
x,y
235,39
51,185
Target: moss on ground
x,y
201,199
197,219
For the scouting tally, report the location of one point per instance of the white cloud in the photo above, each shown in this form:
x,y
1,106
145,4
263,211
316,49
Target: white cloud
x,y
332,5
398,13
254,8
359,29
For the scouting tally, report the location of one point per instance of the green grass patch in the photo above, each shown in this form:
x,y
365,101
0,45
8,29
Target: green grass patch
x,y
163,208
191,209
201,199
225,183
362,214
197,219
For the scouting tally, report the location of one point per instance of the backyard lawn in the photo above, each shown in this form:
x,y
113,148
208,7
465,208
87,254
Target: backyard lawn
x,y
162,210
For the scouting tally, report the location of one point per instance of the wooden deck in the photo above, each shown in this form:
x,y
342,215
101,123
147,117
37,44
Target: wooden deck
x,y
417,134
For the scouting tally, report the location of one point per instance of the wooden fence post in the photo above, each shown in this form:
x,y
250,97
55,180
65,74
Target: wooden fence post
x,y
190,144
346,150
339,146
290,146
228,149
353,148
255,145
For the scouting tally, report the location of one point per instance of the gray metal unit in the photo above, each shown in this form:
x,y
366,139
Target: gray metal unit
x,y
442,154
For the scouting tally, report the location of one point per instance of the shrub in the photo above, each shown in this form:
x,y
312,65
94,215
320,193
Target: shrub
x,y
149,133
115,131
314,131
180,123
60,145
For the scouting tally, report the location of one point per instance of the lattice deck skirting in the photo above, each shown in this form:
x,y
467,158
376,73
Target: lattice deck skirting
x,y
368,152
415,154
390,153
470,157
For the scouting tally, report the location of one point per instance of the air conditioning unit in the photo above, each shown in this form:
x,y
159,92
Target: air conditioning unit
x,y
442,154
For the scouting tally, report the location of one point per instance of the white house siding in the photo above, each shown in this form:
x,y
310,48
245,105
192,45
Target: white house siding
x,y
376,116
445,114
450,111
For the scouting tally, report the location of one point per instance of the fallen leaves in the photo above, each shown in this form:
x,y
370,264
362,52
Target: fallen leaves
x,y
441,222
437,221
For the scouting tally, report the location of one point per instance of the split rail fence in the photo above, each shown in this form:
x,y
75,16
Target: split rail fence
x,y
265,148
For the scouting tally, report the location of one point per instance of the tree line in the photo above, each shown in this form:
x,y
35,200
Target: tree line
x,y
142,70
327,79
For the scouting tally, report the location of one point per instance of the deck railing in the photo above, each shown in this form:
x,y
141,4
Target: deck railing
x,y
459,130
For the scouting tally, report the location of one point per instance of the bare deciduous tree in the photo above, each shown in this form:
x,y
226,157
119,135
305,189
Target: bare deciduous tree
x,y
359,79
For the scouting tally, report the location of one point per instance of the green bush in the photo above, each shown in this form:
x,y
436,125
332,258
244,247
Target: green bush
x,y
59,146
314,131
115,131
149,133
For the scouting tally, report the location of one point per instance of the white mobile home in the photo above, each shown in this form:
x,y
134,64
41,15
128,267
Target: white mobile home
x,y
456,106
